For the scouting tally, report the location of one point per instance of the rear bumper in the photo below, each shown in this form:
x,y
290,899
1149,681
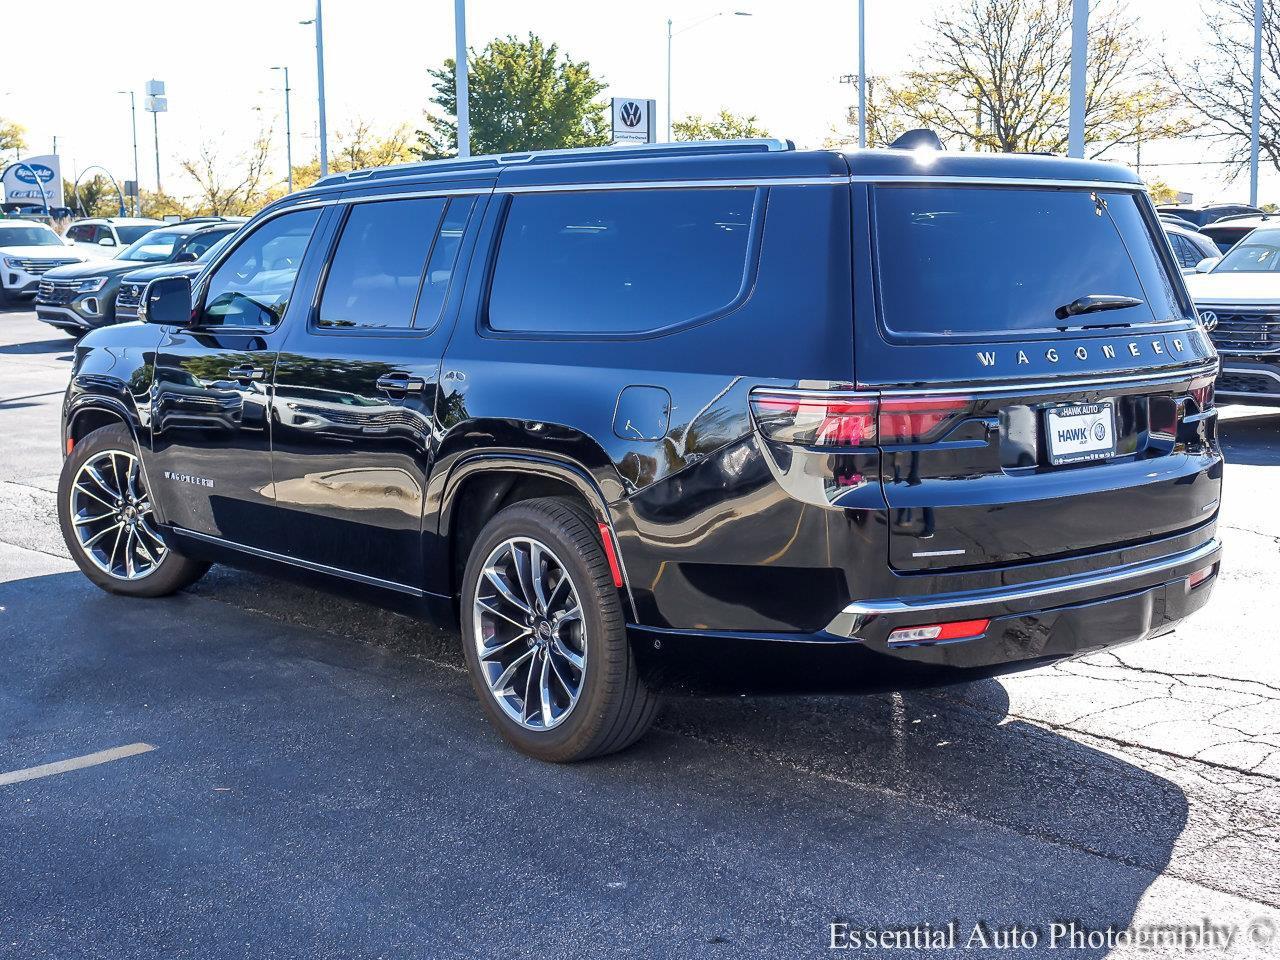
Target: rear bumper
x,y
1031,624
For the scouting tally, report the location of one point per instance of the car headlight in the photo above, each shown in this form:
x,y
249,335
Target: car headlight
x,y
12,264
92,285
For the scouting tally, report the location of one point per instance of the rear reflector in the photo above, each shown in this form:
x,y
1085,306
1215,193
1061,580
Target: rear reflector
x,y
940,632
611,554
1199,577
71,445
850,420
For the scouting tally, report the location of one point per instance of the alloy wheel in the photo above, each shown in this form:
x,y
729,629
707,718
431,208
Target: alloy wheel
x,y
112,516
530,635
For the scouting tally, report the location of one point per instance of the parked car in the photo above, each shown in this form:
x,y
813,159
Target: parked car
x,y
1203,216
134,284
28,250
1190,246
81,297
106,236
601,407
1238,297
1227,233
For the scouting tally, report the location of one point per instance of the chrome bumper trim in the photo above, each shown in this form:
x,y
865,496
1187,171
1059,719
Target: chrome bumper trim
x,y
849,620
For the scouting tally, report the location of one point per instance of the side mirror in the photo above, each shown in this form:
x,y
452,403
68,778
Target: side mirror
x,y
186,256
68,241
167,301
1207,264
106,242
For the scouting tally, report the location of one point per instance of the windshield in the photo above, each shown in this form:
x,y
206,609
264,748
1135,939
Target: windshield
x,y
154,247
986,261
214,250
131,234
32,236
1259,253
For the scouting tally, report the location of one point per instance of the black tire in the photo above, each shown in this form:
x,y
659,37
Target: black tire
x,y
169,573
614,707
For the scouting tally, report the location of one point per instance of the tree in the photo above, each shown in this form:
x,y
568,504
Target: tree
x,y
996,76
1161,191
727,126
1219,88
230,189
358,146
523,96
883,126
95,197
13,136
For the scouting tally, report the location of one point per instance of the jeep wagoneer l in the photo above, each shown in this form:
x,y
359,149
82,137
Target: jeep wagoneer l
x,y
593,402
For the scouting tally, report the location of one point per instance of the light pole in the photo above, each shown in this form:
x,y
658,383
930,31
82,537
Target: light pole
x,y
133,118
460,77
324,142
1079,62
288,127
686,29
862,74
156,104
1257,103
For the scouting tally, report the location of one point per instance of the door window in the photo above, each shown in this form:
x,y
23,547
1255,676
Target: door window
x,y
377,269
252,286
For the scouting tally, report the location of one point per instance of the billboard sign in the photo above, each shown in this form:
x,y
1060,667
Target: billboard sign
x,y
633,120
23,181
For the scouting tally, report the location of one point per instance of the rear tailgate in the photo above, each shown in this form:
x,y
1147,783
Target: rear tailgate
x,y
1014,428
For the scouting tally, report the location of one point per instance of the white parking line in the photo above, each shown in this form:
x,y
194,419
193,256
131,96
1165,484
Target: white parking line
x,y
75,763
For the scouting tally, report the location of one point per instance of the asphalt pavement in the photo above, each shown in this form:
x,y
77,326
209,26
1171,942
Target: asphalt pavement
x,y
301,775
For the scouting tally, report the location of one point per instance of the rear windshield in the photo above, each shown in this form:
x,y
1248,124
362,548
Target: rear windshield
x,y
990,261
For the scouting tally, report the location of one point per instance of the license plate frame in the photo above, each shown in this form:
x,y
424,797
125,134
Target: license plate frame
x,y
1095,441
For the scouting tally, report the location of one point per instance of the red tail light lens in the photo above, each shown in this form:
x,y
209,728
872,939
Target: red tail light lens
x,y
1202,393
940,632
919,419
816,420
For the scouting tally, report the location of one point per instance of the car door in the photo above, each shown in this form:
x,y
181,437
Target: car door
x,y
354,422
210,469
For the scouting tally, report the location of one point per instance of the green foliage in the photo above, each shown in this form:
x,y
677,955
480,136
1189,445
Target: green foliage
x,y
523,95
95,197
727,126
13,136
357,147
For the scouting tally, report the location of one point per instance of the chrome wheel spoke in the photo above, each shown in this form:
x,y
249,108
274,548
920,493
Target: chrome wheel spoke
x,y
111,513
529,653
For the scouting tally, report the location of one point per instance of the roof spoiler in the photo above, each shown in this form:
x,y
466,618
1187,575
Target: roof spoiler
x,y
916,139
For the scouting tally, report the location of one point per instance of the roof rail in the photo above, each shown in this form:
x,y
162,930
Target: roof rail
x,y
569,155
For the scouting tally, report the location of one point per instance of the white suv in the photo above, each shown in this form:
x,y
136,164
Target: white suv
x,y
106,236
28,249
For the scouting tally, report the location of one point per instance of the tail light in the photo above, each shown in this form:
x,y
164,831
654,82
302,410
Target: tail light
x,y
849,420
939,632
1202,393
815,419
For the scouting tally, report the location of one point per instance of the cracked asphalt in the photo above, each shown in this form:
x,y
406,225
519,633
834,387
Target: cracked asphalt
x,y
323,783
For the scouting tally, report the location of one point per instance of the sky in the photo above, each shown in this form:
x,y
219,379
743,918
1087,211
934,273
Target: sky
x,y
782,64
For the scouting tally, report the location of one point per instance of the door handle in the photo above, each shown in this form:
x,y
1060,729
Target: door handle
x,y
401,383
246,372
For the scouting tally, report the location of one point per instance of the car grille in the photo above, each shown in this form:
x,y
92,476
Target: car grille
x,y
1234,382
39,267
1247,331
129,298
56,293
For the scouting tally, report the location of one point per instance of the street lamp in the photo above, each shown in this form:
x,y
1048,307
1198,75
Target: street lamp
x,y
133,117
318,20
686,29
156,104
461,90
288,127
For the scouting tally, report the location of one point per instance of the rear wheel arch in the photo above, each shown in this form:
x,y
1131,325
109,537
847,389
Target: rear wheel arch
x,y
482,485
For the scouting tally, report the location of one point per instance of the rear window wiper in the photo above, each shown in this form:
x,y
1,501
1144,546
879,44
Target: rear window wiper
x,y
1095,303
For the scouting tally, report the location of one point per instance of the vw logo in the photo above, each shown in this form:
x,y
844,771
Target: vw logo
x,y
1099,432
1209,319
630,113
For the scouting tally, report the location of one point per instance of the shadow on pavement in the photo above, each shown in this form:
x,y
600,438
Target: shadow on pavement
x,y
314,795
33,347
1253,439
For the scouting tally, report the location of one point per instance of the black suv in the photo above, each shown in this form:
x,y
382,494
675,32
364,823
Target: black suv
x,y
606,406
83,296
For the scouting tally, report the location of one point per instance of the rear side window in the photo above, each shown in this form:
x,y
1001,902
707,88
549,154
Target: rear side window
x,y
377,269
621,262
981,262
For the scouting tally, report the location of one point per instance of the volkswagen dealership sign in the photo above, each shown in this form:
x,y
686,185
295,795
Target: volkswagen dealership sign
x,y
633,120
23,181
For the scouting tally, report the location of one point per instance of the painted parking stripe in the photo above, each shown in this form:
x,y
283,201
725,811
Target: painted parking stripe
x,y
75,763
